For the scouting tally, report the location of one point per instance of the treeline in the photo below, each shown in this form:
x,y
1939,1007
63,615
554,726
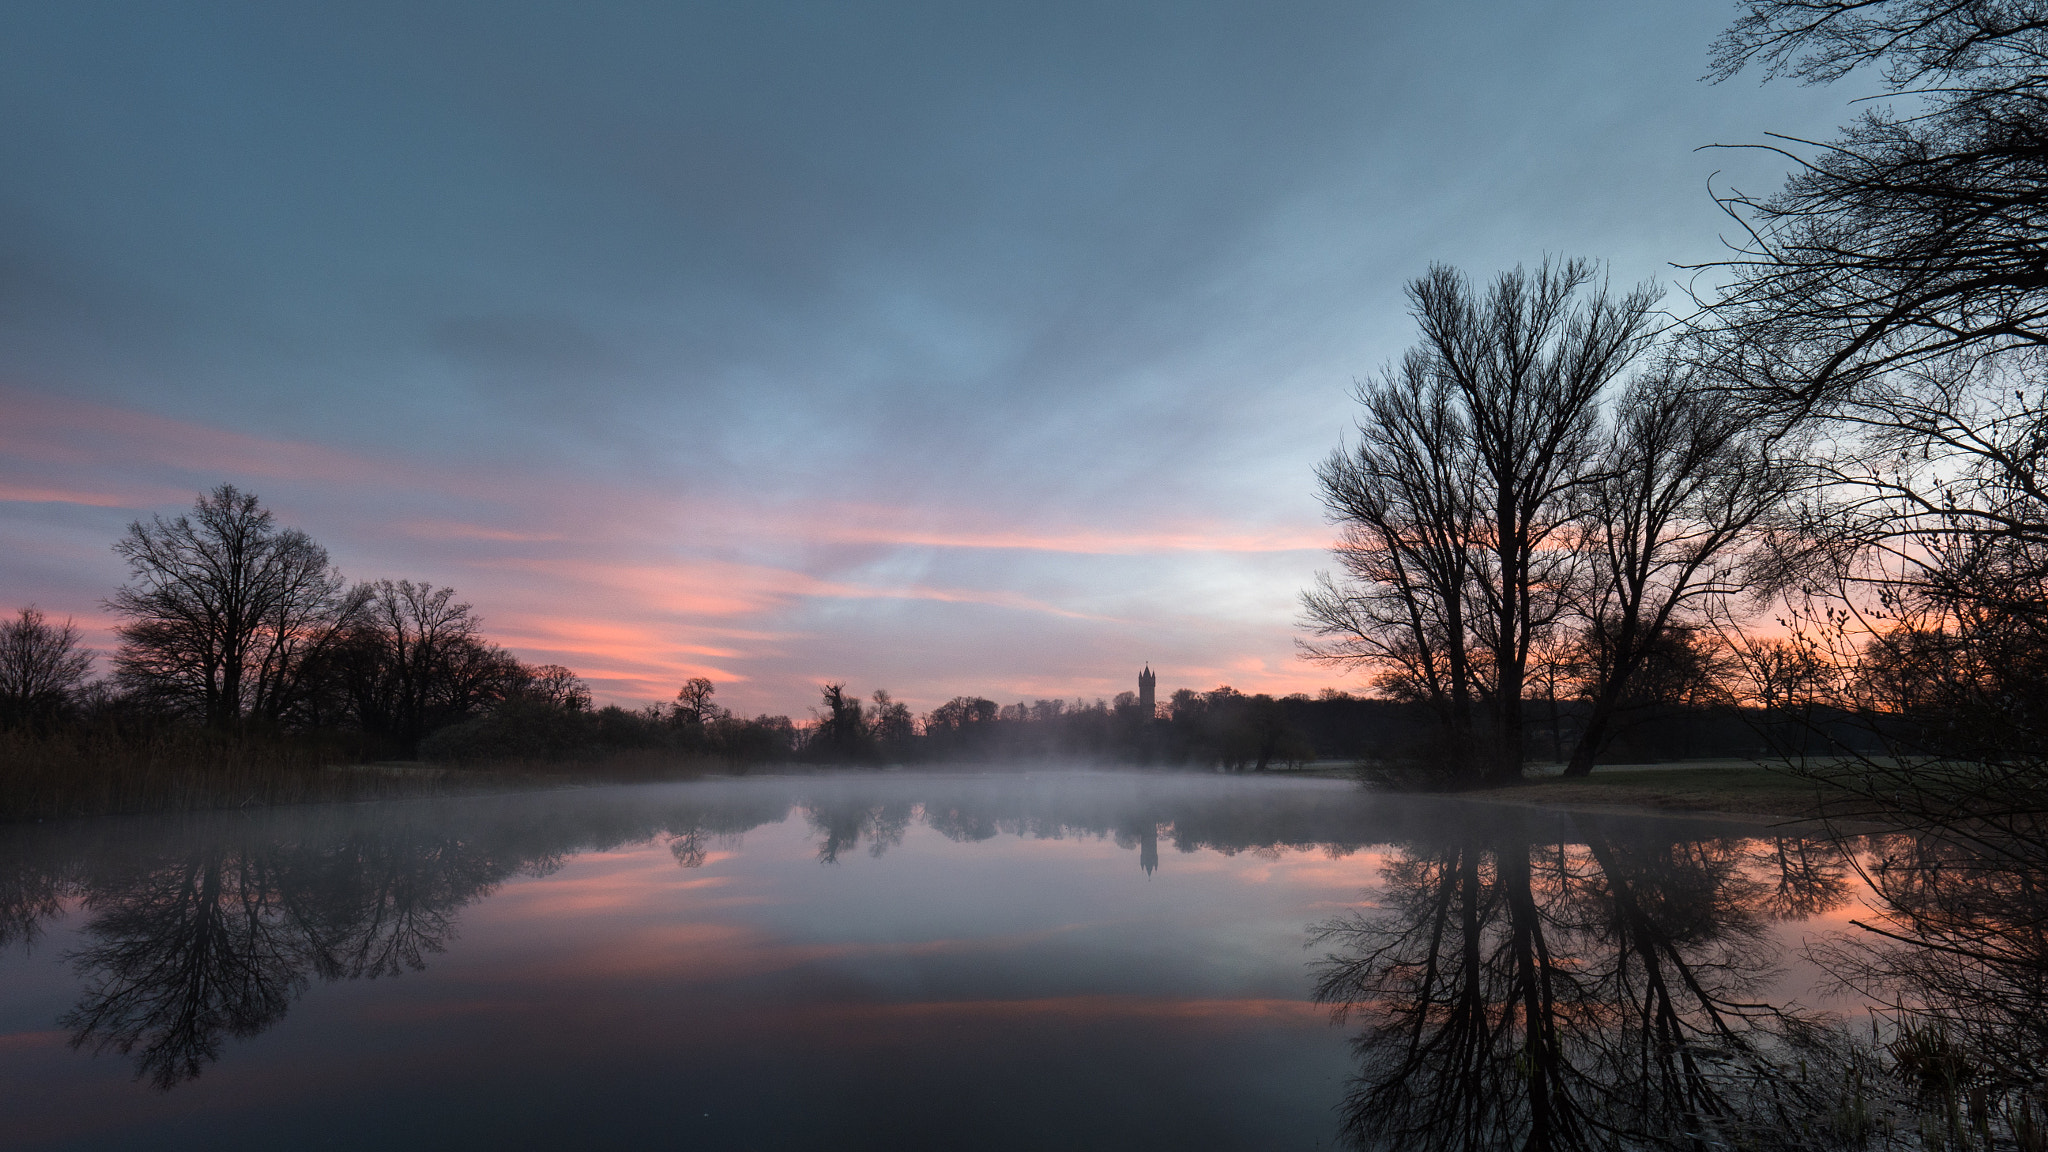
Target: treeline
x,y
248,668
1222,727
1665,719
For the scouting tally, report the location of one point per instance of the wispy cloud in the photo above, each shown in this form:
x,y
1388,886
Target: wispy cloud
x,y
22,494
637,589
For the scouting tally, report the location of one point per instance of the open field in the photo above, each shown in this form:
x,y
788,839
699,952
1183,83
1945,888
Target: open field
x,y
1738,787
1746,788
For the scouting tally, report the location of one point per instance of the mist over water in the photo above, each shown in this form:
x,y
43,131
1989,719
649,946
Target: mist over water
x,y
1026,959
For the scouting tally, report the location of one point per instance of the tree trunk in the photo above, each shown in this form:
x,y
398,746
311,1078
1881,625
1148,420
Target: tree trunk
x,y
1595,732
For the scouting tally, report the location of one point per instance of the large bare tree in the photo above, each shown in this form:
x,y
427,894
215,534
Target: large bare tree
x,y
1916,232
1458,503
1682,490
226,612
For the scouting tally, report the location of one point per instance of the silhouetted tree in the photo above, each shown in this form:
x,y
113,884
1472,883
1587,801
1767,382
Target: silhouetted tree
x,y
1472,457
1686,488
693,702
1893,295
841,732
41,667
891,726
415,660
554,686
1910,236
226,612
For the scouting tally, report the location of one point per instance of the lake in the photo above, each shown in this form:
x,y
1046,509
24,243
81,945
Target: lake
x,y
1026,959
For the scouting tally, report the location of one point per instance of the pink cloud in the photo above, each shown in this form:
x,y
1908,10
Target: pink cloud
x,y
21,494
639,589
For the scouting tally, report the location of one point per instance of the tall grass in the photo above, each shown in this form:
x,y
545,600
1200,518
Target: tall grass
x,y
103,770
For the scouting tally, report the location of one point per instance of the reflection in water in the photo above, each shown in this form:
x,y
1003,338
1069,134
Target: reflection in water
x,y
29,895
1591,992
215,933
218,942
1612,988
1522,979
185,952
211,930
1955,943
844,823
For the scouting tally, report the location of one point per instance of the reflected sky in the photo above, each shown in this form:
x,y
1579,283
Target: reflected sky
x,y
1027,960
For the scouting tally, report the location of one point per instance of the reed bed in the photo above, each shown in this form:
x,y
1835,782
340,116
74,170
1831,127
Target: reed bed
x,y
111,771
98,772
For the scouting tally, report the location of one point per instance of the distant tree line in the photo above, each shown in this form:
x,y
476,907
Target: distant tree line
x,y
234,625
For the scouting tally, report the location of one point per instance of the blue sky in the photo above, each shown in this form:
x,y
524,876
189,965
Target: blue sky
x,y
943,348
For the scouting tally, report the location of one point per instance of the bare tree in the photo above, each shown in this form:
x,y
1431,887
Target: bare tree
x,y
41,665
891,724
226,611
1896,288
1686,486
1457,503
1893,295
556,687
1910,236
416,660
841,732
1404,505
693,705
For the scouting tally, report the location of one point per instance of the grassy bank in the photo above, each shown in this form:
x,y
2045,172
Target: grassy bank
x,y
1740,787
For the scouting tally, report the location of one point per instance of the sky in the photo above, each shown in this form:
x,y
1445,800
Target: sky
x,y
942,348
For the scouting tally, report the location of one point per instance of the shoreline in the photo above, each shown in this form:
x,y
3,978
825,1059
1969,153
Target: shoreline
x,y
1734,791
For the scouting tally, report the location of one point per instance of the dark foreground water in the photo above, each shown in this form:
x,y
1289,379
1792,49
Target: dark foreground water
x,y
1023,960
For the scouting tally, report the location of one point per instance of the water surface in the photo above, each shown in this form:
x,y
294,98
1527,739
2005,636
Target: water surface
x,y
1007,960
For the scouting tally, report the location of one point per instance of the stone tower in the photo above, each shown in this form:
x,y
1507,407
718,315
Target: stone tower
x,y
1146,683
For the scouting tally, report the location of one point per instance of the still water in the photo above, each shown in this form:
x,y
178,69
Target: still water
x,y
1006,960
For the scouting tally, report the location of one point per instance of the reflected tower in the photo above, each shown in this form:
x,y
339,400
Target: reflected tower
x,y
1146,683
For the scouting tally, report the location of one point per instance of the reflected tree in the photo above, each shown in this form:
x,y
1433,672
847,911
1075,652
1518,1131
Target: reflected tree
x,y
842,826
187,951
1957,946
182,956
30,896
376,906
1520,994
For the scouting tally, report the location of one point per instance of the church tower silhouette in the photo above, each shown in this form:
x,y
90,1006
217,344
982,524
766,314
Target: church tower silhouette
x,y
1146,683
